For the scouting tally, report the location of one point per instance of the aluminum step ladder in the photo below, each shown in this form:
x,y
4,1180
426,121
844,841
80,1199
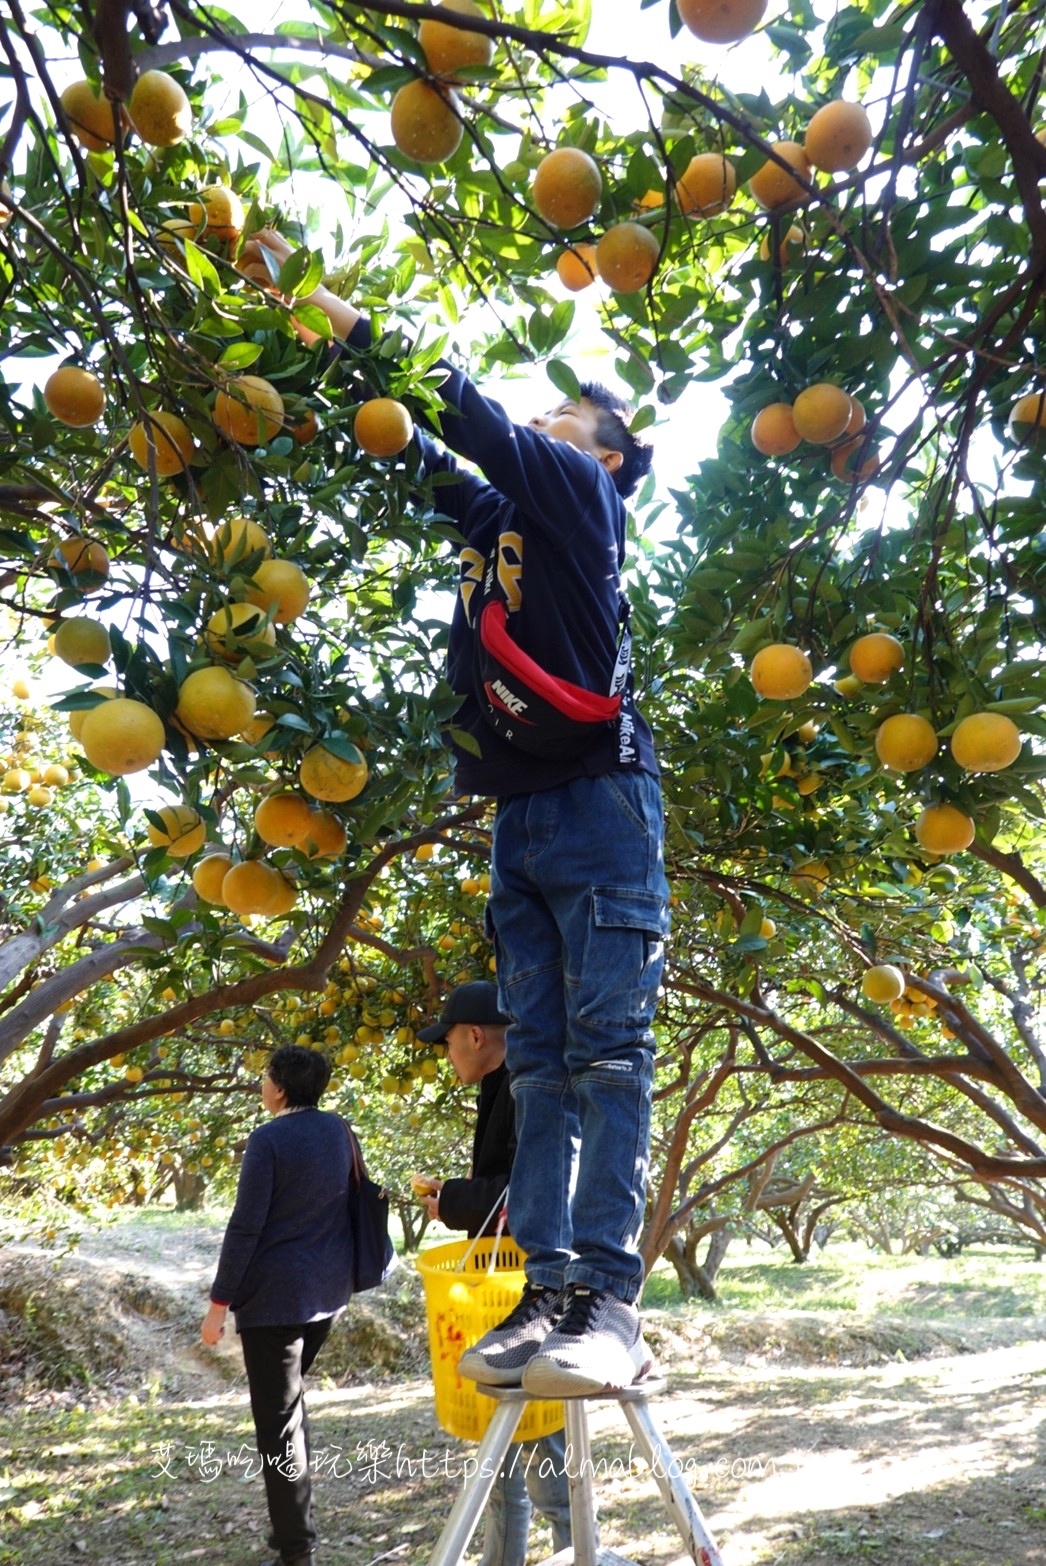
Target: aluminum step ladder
x,y
665,1470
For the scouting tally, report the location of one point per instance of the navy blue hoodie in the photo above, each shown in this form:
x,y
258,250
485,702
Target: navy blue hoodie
x,y
560,526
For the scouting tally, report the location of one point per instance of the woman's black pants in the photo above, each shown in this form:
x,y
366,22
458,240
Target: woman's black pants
x,y
277,1359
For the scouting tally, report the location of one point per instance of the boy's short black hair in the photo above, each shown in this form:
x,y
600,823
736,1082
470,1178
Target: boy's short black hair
x,y
301,1073
613,432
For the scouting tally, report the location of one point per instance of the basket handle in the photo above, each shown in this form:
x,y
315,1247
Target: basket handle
x,y
499,1229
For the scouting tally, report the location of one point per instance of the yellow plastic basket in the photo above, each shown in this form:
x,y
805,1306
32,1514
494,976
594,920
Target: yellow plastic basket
x,y
464,1298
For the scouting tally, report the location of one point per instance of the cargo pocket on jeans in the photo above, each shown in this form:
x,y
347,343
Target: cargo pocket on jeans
x,y
624,957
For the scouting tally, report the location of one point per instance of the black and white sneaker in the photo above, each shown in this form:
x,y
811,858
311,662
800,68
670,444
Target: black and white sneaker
x,y
499,1358
596,1346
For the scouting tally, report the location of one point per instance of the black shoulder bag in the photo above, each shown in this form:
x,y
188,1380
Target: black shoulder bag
x,y
373,1253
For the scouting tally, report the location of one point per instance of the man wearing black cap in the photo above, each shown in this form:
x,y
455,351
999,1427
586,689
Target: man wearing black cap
x,y
473,1029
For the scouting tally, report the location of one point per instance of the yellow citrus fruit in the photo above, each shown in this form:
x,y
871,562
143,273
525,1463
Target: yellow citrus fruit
x,y
576,267
121,736
208,876
791,247
283,820
213,704
780,672
383,427
567,187
1028,415
91,116
181,832
173,229
706,186
303,426
85,559
838,137
426,122
905,742
845,466
821,412
159,109
326,838
883,983
248,410
38,796
767,929
721,21
237,629
16,780
773,430
280,588
236,539
255,731
873,658
944,829
74,397
773,186
162,438
627,256
986,742
253,887
327,776
810,877
219,212
82,641
55,775
448,50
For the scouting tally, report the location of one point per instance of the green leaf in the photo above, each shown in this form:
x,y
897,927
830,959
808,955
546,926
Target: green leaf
x,y
564,379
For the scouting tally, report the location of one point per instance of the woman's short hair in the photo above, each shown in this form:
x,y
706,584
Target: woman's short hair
x,y
301,1073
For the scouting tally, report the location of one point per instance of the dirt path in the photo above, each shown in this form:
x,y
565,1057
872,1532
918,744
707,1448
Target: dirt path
x,y
924,1458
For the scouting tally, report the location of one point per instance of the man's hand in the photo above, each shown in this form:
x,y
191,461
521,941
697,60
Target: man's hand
x,y
427,1189
213,1324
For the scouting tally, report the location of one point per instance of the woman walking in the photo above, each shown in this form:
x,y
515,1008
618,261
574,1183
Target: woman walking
x,y
285,1271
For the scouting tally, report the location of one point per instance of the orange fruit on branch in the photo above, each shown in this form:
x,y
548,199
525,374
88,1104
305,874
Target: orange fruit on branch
x,y
706,186
249,410
235,540
873,658
208,876
838,137
82,641
883,983
773,186
905,742
181,832
627,257
91,116
383,427
219,212
821,412
567,187
159,109
449,49
721,21
163,439
283,819
74,397
986,742
780,672
944,829
576,267
281,588
326,838
121,736
332,777
773,430
85,559
1028,416
213,704
426,122
232,629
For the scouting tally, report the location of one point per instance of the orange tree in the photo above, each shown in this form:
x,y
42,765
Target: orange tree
x,y
852,257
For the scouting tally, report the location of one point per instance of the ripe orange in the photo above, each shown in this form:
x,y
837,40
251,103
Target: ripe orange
x,y
448,50
883,983
706,186
327,776
208,876
249,410
576,267
780,672
39,796
255,731
821,412
74,397
303,426
182,832
237,538
905,742
426,122
873,658
213,704
1028,416
253,887
838,137
627,256
121,736
76,718
91,116
944,829
567,188
844,462
280,588
721,21
220,213
282,820
986,742
772,186
173,229
83,558
162,438
326,837
810,877
236,630
82,641
793,240
383,427
773,430
159,109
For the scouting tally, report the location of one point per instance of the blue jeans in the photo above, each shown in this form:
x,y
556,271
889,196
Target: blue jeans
x,y
579,912
530,1476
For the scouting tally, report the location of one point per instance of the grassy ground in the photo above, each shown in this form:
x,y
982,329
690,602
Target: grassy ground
x,y
856,1406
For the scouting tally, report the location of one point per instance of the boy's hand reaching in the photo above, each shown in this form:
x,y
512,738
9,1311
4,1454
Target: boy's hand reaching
x,y
252,263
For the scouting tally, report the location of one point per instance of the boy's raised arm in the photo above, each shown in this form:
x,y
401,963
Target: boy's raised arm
x,y
342,315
